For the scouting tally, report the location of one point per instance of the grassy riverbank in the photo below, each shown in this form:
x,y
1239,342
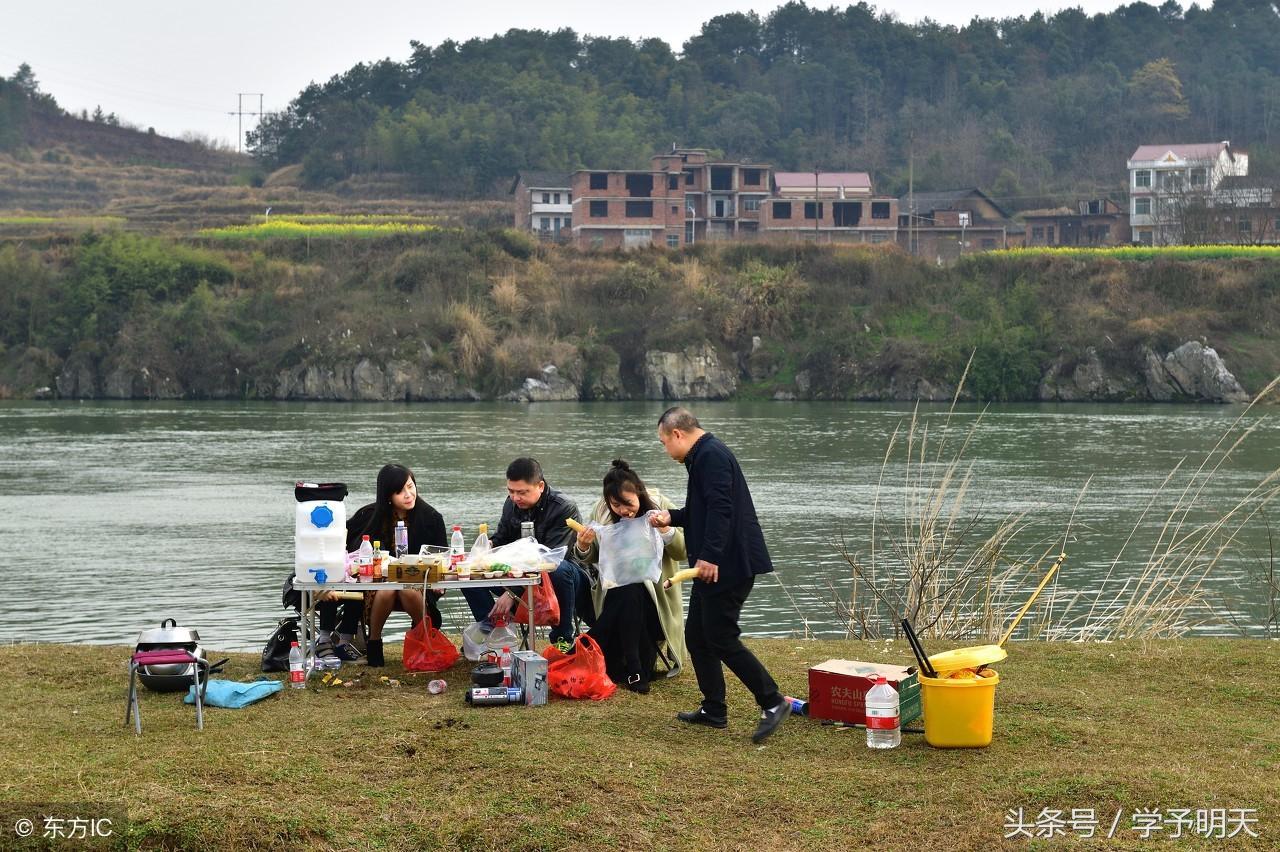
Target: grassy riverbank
x,y
449,313
1162,725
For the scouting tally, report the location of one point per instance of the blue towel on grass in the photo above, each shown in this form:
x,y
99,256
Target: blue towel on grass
x,y
232,694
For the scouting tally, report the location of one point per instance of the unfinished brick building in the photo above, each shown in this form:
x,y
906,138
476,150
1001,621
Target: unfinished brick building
x,y
680,200
829,207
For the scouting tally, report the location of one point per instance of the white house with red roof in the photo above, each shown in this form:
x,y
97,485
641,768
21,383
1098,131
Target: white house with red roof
x,y
1166,180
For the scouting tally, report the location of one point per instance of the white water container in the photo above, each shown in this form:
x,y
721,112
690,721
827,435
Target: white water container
x,y
321,516
324,552
320,539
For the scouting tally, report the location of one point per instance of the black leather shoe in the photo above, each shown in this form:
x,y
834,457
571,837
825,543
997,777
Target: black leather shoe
x,y
702,717
771,719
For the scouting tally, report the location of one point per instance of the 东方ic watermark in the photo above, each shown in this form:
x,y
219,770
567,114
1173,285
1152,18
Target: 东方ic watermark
x,y
91,825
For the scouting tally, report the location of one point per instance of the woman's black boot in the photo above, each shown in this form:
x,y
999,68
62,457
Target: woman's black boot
x,y
373,653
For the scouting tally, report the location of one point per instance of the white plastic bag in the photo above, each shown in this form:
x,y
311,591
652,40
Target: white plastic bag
x,y
524,554
630,552
474,638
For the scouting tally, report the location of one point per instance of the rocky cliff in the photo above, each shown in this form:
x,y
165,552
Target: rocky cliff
x,y
1192,372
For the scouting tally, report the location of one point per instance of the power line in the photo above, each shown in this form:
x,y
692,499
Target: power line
x,y
104,85
240,114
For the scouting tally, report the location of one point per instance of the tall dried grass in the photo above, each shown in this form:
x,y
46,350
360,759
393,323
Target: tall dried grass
x,y
957,574
945,566
507,298
472,335
1166,597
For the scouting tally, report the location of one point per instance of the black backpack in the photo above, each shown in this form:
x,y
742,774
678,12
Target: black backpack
x,y
275,655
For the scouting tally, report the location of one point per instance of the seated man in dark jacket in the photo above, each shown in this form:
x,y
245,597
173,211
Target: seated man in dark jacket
x,y
531,499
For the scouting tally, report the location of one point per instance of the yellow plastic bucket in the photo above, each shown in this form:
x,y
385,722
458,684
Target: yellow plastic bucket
x,y
959,712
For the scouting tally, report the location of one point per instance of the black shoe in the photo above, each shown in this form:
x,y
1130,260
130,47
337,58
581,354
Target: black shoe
x,y
702,717
771,719
637,683
374,653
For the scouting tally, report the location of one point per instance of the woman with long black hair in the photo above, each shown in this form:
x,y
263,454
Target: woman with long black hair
x,y
397,500
636,622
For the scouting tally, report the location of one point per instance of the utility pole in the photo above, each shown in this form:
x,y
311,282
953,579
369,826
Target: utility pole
x,y
240,114
911,202
817,214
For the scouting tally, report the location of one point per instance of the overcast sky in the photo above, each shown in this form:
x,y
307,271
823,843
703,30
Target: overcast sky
x,y
178,66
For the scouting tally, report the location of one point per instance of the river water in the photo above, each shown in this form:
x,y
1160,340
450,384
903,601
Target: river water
x,y
143,511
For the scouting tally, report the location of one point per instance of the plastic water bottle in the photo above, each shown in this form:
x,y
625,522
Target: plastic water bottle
x,y
457,547
883,730
505,662
297,668
364,560
502,636
402,539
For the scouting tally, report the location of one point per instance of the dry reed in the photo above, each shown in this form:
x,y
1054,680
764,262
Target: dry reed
x,y
1166,598
957,575
945,567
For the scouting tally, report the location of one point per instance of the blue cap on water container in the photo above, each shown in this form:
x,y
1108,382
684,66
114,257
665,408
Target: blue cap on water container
x,y
321,575
321,516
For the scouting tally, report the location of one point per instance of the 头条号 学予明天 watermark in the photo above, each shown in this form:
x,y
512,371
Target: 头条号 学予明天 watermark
x,y
1141,823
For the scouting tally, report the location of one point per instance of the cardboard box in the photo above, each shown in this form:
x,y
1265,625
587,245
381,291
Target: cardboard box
x,y
529,672
399,572
838,690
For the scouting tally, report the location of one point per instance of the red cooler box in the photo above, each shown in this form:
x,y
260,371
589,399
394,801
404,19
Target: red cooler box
x,y
838,690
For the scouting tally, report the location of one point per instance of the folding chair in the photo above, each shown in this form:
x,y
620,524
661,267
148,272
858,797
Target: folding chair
x,y
166,656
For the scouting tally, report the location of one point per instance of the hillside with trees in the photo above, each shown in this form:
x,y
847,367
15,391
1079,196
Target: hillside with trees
x,y
1030,108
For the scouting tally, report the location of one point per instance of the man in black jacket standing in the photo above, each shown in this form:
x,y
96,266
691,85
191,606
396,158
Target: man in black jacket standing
x,y
726,547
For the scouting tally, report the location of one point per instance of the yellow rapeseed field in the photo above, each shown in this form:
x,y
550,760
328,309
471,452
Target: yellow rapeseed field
x,y
1202,252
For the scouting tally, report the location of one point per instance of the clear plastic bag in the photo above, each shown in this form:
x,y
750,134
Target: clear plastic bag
x,y
630,552
525,555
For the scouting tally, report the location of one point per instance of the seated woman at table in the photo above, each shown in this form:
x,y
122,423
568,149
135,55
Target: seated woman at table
x,y
397,500
638,621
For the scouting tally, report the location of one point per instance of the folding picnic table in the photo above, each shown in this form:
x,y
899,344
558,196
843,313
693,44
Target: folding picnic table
x,y
310,589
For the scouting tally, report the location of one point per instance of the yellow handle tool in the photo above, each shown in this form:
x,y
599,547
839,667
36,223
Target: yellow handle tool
x,y
1032,599
679,577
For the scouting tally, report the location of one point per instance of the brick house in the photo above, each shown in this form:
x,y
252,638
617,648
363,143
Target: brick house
x,y
947,224
544,203
1097,222
682,199
685,198
829,207
1244,210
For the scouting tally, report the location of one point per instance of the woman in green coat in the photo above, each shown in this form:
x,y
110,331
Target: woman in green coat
x,y
639,622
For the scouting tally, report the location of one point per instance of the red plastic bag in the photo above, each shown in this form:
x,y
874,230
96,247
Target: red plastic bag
x,y
426,649
546,608
580,674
